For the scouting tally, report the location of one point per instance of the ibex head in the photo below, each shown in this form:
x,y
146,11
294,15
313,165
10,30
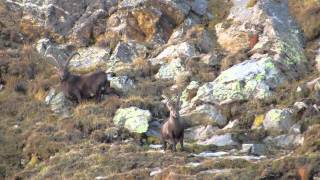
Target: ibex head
x,y
173,106
61,67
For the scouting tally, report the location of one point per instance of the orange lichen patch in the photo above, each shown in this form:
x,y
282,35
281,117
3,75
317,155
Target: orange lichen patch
x,y
40,95
253,40
304,172
147,21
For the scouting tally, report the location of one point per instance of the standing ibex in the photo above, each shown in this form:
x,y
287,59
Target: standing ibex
x,y
81,87
172,131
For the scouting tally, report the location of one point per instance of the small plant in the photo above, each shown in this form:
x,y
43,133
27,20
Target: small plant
x,y
251,3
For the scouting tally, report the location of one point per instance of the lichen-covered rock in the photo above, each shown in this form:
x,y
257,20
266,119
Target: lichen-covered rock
x,y
258,76
58,103
205,114
170,70
121,83
188,93
278,120
183,49
242,81
220,140
132,118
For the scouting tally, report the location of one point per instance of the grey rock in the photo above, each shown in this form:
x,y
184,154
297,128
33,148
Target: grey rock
x,y
199,133
180,50
278,120
254,149
204,114
220,140
58,103
285,141
121,83
199,6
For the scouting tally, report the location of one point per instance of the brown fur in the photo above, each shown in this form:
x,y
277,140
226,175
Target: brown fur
x,y
80,87
172,131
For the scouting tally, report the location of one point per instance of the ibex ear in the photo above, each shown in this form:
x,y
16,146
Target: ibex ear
x,y
167,101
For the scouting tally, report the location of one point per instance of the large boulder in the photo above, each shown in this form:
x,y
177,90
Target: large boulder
x,y
132,118
278,120
204,114
265,70
90,59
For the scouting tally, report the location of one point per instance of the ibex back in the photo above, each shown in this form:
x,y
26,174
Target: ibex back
x,y
80,87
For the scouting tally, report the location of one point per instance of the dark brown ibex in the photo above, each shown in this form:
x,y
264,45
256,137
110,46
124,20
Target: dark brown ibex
x,y
80,87
172,131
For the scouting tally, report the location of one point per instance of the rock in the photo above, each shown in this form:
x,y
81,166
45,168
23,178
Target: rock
x,y
232,124
170,70
285,141
199,133
175,10
58,103
300,105
179,33
155,171
127,52
205,114
258,121
90,58
42,45
154,129
211,154
254,149
258,76
130,3
133,119
295,129
220,140
278,120
242,81
180,50
121,83
199,7
124,53
189,93
318,60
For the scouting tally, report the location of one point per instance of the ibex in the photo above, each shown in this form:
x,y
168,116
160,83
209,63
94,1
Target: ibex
x,y
172,131
80,87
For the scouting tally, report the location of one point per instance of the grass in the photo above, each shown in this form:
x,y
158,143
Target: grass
x,y
307,14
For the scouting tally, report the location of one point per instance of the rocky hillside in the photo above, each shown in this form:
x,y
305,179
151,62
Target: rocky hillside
x,y
248,72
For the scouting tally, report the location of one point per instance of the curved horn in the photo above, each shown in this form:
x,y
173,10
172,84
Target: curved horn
x,y
68,60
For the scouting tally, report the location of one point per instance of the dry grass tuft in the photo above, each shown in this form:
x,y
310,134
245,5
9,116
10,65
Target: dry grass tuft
x,y
307,14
